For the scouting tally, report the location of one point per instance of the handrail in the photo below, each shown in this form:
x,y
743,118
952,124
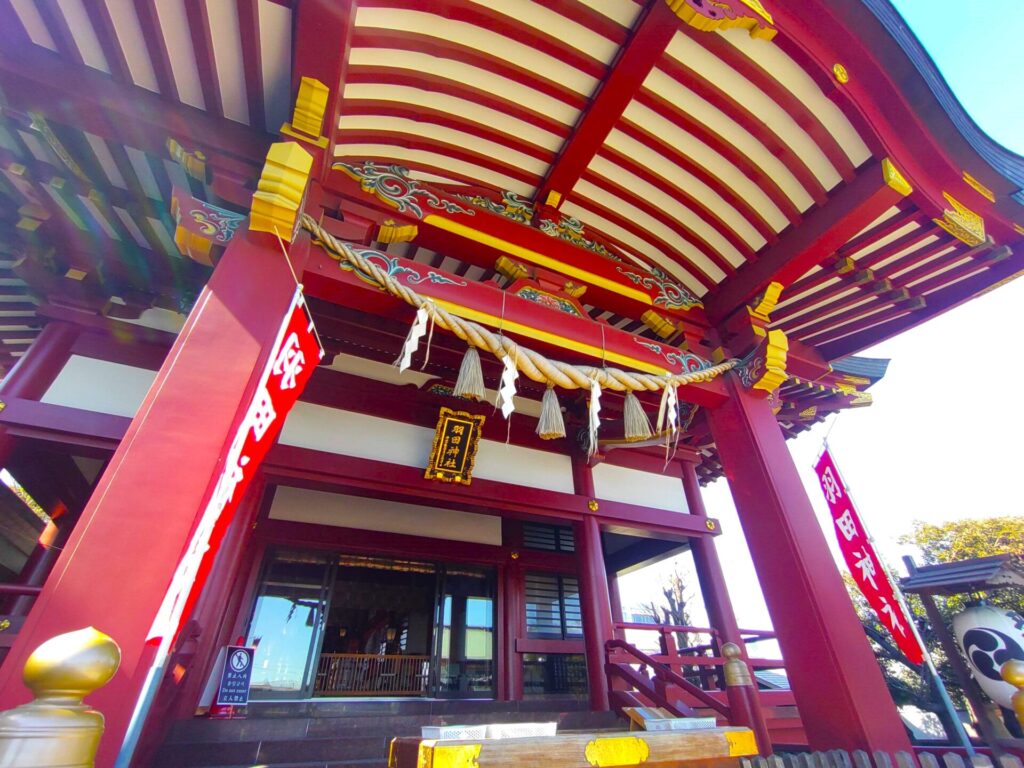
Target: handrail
x,y
19,589
666,674
714,661
667,628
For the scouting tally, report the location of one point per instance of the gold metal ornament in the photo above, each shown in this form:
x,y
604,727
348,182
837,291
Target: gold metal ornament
x,y
57,728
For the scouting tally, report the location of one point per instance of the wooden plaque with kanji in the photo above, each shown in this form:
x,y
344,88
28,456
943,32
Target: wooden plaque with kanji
x,y
455,443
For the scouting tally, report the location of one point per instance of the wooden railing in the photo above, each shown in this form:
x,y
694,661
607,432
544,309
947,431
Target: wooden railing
x,y
693,679
701,663
371,674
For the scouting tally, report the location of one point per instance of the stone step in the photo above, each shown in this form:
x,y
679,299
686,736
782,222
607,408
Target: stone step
x,y
359,740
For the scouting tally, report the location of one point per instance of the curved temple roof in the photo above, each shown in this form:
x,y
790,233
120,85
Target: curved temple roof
x,y
728,145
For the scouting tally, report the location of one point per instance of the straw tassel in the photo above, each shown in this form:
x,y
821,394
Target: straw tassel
x,y
637,425
551,425
470,383
594,417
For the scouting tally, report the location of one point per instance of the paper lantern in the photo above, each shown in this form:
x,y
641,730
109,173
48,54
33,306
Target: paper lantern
x,y
989,637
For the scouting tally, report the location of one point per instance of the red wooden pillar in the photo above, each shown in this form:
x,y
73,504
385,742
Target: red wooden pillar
x,y
30,378
118,564
709,567
595,602
839,689
39,366
33,374
512,617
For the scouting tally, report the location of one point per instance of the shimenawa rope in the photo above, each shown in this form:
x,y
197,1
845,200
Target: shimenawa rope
x,y
532,364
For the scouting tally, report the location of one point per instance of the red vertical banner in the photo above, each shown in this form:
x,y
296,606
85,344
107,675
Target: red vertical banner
x,y
863,562
292,360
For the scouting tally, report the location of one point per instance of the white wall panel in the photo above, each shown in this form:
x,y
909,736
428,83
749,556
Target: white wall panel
x,y
633,486
356,434
305,506
101,386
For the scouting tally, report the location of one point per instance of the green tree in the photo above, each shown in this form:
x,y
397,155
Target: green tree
x,y
941,543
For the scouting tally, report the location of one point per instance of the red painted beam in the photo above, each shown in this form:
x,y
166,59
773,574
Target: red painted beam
x,y
481,237
103,25
206,63
747,167
548,330
377,75
384,108
156,48
734,109
766,82
57,26
368,477
323,20
483,16
648,41
252,62
851,208
416,42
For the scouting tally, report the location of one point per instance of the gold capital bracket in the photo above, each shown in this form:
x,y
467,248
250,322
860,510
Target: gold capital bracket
x,y
962,223
709,15
764,370
892,176
281,190
308,115
390,232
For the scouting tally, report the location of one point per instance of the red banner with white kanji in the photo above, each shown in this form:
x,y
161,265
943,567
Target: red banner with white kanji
x,y
294,356
863,561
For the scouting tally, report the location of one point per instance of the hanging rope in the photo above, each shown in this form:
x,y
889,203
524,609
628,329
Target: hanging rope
x,y
532,364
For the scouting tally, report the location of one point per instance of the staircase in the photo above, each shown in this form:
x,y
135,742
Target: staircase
x,y
637,679
332,734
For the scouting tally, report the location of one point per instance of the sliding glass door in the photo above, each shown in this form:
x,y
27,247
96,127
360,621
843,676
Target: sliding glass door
x,y
287,623
335,625
464,642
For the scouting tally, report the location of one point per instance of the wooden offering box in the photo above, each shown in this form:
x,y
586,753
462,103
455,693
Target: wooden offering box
x,y
709,748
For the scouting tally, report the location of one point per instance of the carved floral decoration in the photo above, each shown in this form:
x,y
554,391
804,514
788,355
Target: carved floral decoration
x,y
671,295
571,230
390,266
392,185
512,206
686,360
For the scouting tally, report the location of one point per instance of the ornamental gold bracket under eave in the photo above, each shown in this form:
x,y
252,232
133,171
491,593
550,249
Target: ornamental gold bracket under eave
x,y
710,15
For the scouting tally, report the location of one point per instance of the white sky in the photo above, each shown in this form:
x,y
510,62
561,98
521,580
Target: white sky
x,y
941,441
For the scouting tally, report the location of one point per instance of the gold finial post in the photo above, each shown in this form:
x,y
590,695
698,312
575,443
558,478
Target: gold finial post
x,y
57,728
744,705
1013,673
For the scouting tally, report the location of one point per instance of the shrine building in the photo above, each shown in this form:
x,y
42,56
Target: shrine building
x,y
562,263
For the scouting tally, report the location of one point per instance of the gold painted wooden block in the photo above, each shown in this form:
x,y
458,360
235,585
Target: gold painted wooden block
x,y
281,190
308,116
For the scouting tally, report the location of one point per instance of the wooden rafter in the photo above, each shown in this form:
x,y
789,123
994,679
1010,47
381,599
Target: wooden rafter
x,y
252,61
206,63
638,56
37,80
103,24
156,46
850,209
318,20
